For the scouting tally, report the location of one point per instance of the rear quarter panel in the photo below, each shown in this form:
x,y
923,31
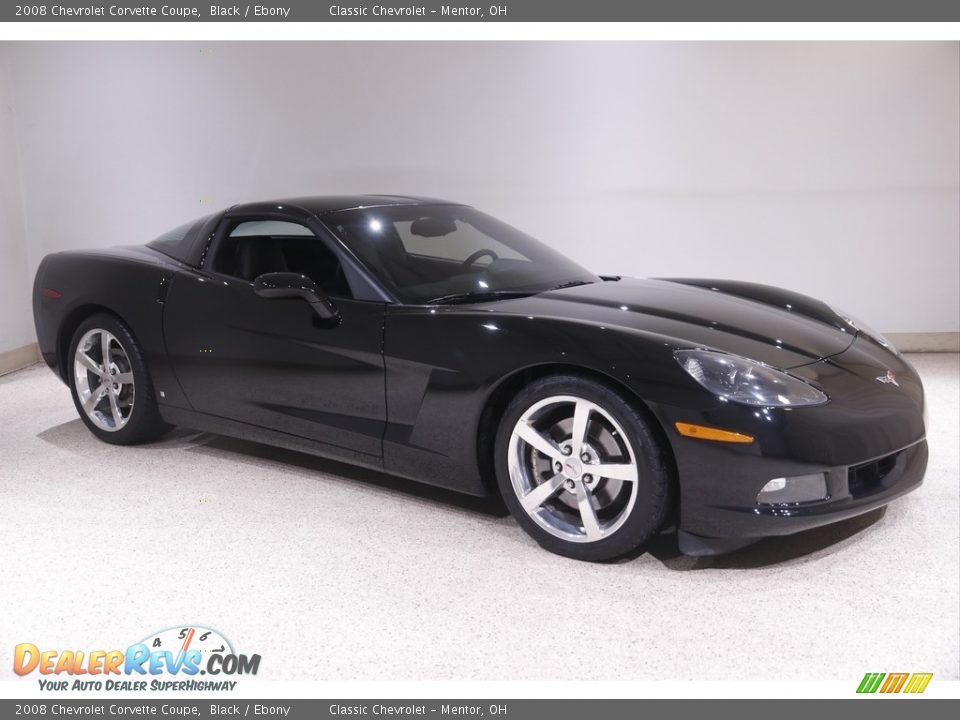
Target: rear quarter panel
x,y
122,281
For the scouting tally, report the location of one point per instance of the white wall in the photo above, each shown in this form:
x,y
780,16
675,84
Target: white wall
x,y
16,318
832,169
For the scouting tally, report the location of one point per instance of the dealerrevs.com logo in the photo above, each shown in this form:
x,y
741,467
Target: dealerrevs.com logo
x,y
172,659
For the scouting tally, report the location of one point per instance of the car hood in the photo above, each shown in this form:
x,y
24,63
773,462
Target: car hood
x,y
776,327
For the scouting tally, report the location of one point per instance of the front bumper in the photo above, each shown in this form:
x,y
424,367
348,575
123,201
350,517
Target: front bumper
x,y
868,441
852,490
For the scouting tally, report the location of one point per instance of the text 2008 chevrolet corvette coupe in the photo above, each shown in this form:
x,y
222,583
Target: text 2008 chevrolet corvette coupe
x,y
432,341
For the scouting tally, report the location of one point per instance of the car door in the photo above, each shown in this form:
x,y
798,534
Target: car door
x,y
272,363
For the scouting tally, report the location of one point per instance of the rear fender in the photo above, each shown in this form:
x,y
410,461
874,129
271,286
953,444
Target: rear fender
x,y
126,284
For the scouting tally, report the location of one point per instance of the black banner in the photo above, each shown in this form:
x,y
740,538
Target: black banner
x,y
875,709
486,11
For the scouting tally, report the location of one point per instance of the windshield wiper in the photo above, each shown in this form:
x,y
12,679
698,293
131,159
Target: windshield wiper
x,y
491,295
571,283
472,297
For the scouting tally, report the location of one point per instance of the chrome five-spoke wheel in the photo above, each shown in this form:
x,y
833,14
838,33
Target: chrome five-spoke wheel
x,y
582,467
103,378
573,469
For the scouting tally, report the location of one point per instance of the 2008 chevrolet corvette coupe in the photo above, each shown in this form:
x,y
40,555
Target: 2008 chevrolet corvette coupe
x,y
432,341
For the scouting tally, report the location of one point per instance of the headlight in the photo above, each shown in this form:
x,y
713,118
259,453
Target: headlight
x,y
862,327
740,380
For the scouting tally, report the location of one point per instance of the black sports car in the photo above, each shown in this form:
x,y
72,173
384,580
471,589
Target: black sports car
x,y
429,340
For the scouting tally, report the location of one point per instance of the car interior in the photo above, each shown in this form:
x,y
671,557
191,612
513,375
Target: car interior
x,y
249,256
404,269
423,259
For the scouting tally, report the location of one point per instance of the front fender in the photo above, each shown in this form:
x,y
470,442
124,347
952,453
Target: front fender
x,y
444,364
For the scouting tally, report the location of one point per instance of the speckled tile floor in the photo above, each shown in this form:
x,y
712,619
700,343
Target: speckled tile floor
x,y
335,573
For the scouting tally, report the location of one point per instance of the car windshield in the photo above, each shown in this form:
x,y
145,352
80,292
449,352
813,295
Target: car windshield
x,y
450,253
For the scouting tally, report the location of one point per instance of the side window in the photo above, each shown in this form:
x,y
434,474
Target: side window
x,y
274,228
254,247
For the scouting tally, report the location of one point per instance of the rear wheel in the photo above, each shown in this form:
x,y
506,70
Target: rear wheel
x,y
581,469
110,384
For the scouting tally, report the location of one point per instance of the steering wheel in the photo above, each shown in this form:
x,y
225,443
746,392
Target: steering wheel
x,y
474,256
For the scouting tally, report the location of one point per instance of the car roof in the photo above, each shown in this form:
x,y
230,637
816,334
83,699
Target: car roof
x,y
322,204
189,246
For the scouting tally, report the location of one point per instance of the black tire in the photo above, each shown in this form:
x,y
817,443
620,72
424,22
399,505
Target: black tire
x,y
143,422
653,499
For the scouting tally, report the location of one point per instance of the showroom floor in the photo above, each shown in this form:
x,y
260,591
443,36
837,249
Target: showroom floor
x,y
329,572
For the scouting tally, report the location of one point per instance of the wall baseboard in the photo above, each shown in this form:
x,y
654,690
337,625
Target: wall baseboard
x,y
926,342
19,358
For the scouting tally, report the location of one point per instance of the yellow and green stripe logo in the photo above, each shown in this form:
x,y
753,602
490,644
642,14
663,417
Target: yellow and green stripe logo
x,y
894,682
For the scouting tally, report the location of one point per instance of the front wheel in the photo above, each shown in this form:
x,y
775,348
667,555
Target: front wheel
x,y
110,384
581,469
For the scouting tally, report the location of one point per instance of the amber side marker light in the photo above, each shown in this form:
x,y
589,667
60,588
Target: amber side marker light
x,y
702,432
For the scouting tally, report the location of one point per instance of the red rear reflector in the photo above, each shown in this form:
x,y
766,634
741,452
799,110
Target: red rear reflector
x,y
51,294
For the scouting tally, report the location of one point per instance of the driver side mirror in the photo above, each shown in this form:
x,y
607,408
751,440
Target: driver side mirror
x,y
292,285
